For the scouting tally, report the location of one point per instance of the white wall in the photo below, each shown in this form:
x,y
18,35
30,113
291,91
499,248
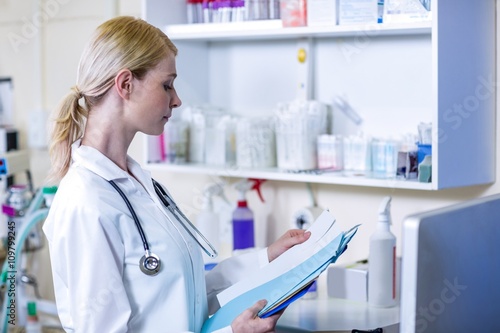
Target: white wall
x,y
63,36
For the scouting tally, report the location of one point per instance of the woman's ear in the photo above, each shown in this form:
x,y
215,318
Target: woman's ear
x,y
123,83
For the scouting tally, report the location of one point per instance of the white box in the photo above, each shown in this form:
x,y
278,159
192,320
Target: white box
x,y
348,282
358,12
321,13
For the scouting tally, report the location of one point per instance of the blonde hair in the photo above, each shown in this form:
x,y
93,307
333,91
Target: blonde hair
x,y
120,43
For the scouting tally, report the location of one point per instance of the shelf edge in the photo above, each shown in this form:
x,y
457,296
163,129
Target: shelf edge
x,y
274,174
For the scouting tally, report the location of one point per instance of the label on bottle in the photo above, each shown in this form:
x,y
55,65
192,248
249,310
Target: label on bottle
x,y
394,273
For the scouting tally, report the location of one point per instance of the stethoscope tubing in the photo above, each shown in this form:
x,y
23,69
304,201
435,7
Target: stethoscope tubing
x,y
134,216
172,207
150,263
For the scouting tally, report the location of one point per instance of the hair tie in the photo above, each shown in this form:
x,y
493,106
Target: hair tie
x,y
77,92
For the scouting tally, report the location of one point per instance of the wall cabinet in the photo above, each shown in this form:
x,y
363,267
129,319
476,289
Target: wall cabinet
x,y
395,75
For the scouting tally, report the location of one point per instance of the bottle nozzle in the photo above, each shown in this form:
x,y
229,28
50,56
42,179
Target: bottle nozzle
x,y
384,211
249,184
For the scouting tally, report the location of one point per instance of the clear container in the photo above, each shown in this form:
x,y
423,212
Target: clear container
x,y
255,143
356,156
384,158
176,141
330,152
298,125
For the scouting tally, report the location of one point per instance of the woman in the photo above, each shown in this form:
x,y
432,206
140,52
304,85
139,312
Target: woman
x,y
125,85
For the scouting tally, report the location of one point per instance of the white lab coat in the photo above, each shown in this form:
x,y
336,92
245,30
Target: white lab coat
x,y
95,249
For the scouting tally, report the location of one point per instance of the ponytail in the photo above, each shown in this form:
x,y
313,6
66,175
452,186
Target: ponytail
x,y
69,124
121,42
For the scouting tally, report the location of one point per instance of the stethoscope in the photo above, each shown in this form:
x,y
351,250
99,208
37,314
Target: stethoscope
x,y
150,263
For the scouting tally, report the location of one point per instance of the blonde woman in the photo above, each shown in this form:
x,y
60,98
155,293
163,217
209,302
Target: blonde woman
x,y
109,276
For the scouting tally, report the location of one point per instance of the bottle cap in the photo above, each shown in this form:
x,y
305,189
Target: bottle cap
x,y
31,309
49,190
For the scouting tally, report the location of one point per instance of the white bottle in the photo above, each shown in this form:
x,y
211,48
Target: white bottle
x,y
382,261
208,224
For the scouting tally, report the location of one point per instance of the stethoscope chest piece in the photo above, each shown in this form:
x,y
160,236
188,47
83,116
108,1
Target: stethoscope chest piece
x,y
150,264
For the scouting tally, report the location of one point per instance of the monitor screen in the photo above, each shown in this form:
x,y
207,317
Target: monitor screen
x,y
450,270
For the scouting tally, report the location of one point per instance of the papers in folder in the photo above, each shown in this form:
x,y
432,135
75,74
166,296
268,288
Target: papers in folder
x,y
287,277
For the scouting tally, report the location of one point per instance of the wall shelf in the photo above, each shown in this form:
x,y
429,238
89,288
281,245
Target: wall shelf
x,y
437,72
272,29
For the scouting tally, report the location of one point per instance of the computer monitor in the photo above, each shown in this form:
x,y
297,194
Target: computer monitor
x,y
451,269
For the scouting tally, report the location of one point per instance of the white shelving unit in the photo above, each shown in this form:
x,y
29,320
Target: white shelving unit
x,y
396,75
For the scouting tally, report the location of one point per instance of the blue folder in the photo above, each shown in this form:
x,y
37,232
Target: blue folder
x,y
283,290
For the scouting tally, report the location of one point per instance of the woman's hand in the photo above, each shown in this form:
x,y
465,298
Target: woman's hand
x,y
249,322
289,239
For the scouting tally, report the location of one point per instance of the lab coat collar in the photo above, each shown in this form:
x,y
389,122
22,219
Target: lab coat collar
x,y
97,162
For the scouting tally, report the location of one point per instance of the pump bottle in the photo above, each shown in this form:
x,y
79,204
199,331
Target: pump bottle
x,y
382,260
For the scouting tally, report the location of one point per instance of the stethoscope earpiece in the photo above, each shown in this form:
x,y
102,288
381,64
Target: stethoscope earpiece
x,y
150,264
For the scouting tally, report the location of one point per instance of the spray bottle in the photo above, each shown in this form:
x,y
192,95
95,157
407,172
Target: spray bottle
x,y
208,220
382,260
243,218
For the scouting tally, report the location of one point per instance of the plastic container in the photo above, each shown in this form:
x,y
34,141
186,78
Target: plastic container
x,y
32,323
208,222
243,220
243,228
382,261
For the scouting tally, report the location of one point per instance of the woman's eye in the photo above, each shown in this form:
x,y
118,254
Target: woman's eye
x,y
167,86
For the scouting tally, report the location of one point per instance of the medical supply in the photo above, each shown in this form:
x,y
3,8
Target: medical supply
x,y
6,101
208,221
255,143
274,9
238,11
407,167
425,170
32,323
220,137
48,194
16,207
406,11
194,11
380,11
33,215
150,263
196,119
423,150
357,155
243,223
425,133
330,152
358,12
243,217
382,260
298,125
293,13
321,13
257,9
176,138
384,153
